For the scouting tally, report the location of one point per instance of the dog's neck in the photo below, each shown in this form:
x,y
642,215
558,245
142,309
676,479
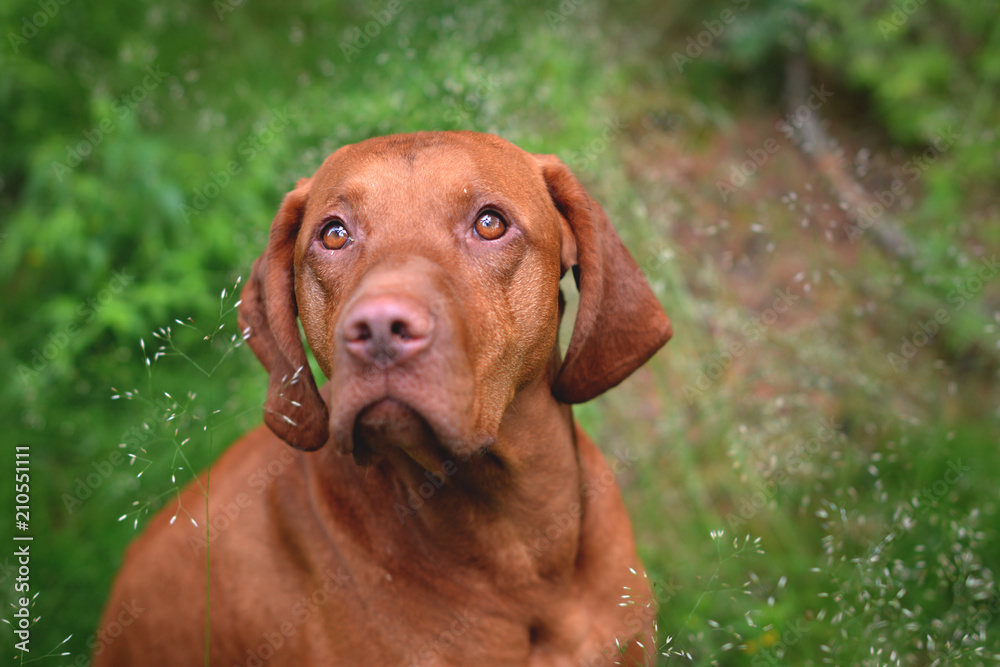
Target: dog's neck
x,y
520,502
517,497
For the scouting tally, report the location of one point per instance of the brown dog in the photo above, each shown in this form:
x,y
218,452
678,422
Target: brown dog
x,y
455,515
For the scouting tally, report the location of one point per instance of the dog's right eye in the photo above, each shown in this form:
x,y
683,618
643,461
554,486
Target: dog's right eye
x,y
334,235
490,225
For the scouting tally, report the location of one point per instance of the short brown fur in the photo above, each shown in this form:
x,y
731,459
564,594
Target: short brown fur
x,y
440,506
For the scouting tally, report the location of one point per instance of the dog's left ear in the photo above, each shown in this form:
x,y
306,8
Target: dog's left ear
x,y
294,410
620,323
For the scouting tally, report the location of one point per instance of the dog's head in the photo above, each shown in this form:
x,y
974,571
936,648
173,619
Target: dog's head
x,y
425,271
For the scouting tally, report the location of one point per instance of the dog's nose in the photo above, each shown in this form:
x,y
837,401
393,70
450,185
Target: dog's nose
x,y
385,330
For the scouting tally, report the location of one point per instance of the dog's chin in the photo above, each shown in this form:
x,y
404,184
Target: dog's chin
x,y
389,424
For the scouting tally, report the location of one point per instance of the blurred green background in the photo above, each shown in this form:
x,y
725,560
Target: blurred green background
x,y
810,186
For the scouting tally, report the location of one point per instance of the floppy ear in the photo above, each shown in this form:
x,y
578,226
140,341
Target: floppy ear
x,y
620,323
293,409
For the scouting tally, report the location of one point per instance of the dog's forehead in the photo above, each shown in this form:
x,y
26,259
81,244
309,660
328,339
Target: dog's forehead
x,y
428,166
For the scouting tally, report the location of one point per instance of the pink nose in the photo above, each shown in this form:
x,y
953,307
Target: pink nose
x,y
386,330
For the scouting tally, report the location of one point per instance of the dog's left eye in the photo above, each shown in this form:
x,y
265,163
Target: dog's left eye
x,y
490,226
334,235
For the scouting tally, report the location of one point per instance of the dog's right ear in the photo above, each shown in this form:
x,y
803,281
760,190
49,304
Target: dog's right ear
x,y
294,409
620,323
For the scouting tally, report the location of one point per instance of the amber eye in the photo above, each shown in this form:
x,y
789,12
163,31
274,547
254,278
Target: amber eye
x,y
334,236
490,226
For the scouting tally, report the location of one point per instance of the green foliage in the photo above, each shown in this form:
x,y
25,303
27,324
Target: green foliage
x,y
145,149
926,73
172,135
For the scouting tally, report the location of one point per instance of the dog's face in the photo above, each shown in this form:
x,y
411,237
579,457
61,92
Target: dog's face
x,y
425,271
430,265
